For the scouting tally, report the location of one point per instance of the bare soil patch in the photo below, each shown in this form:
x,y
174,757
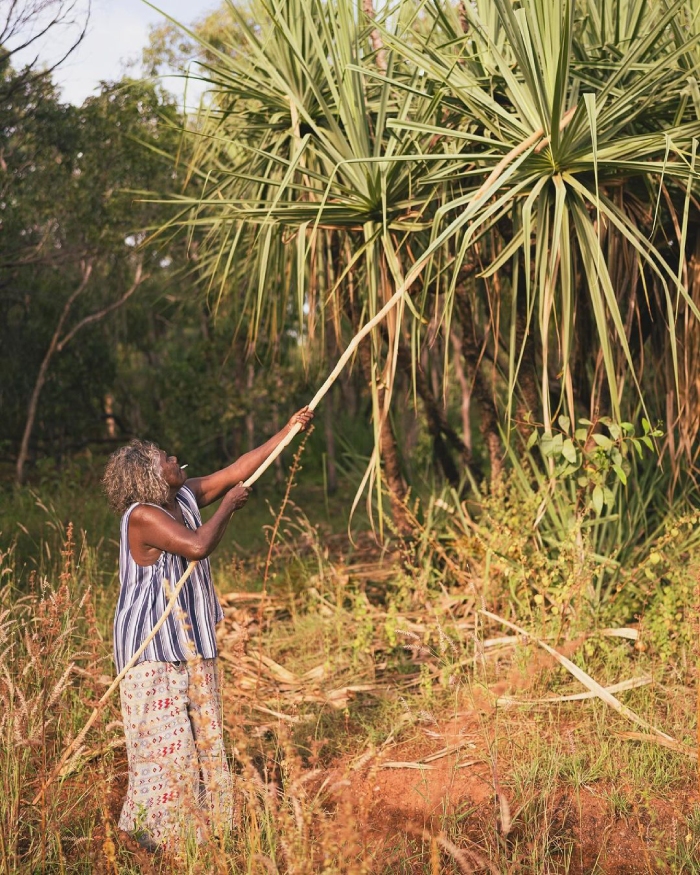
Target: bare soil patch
x,y
394,807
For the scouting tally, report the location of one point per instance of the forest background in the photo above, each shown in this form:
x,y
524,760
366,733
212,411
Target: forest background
x,y
516,444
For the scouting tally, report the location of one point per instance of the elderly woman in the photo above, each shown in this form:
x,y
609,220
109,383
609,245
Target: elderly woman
x,y
179,781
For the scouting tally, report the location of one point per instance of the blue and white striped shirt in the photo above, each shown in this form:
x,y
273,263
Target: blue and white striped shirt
x,y
142,600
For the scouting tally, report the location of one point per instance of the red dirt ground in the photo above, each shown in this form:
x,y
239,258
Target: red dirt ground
x,y
391,805
390,808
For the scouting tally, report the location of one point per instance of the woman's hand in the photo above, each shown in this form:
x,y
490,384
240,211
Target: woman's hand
x,y
303,416
215,486
237,496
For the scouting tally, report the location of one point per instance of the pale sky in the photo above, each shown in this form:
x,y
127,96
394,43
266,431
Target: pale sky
x,y
117,33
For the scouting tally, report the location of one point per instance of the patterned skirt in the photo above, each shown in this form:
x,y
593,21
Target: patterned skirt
x,y
179,779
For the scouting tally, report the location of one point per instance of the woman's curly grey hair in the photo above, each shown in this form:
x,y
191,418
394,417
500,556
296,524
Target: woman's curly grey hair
x,y
133,475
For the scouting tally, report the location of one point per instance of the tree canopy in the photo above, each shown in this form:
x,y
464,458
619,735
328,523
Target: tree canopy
x,y
529,166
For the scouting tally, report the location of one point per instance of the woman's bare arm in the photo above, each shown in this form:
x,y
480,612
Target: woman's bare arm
x,y
210,488
152,530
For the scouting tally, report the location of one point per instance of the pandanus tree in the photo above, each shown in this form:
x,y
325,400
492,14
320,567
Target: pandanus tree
x,y
594,104
525,169
307,192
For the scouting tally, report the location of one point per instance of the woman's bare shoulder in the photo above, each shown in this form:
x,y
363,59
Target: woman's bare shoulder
x,y
149,513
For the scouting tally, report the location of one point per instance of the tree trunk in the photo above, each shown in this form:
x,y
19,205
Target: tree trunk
x,y
58,344
279,467
466,391
43,373
440,430
375,36
250,418
331,471
349,390
471,353
528,403
388,450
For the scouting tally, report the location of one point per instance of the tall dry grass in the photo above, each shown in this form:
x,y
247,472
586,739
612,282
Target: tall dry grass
x,y
366,659
55,663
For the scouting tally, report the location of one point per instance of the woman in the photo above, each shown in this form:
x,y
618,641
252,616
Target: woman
x,y
179,781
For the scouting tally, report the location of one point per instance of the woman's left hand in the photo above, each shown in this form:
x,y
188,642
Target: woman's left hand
x,y
303,416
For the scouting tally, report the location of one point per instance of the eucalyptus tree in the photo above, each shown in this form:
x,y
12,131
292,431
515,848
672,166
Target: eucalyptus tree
x,y
68,259
529,166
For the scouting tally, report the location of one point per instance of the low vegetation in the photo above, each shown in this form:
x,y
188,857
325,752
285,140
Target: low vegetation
x,y
380,713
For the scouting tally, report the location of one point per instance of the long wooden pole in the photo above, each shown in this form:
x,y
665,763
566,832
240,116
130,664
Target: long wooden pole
x,y
77,741
342,361
410,278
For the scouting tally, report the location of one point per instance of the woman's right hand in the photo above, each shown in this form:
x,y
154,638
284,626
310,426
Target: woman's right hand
x,y
237,496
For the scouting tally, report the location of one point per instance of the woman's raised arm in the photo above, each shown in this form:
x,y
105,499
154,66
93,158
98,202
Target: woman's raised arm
x,y
211,487
152,530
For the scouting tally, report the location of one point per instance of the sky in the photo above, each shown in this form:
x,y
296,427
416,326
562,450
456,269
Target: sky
x,y
117,33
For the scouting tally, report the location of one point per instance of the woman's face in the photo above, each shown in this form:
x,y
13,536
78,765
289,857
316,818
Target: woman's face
x,y
172,473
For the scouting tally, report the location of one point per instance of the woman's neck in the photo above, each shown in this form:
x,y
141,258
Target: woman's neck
x,y
171,500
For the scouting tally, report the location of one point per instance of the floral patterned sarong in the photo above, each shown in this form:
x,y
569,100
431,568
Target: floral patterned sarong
x,y
179,779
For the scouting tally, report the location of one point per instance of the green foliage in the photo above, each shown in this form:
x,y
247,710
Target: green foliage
x,y
489,145
672,572
537,547
598,493
67,201
588,457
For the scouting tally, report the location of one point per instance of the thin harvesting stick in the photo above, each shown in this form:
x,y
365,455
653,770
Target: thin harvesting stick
x,y
410,278
77,741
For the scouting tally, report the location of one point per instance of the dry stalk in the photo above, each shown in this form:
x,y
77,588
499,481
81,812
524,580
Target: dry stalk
x,y
657,739
584,678
291,483
467,860
294,469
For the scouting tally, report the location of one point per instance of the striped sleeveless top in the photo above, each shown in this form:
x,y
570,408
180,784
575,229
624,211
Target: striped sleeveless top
x,y
142,600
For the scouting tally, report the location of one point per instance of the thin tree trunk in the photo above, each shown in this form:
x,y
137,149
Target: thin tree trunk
x,y
43,371
528,402
471,353
332,334
249,419
581,352
331,471
465,389
348,389
279,468
375,37
440,430
57,345
392,472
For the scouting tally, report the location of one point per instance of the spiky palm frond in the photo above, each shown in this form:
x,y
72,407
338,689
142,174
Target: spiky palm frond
x,y
551,143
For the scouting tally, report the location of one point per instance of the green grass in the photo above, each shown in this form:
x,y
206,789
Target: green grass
x,y
33,519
